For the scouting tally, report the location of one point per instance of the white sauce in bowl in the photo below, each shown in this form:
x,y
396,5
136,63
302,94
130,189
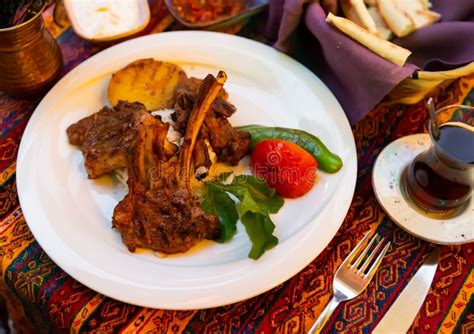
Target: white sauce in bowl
x,y
105,18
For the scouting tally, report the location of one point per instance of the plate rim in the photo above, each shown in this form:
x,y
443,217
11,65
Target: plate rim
x,y
339,215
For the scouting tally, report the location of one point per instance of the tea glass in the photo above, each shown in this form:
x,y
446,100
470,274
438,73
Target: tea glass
x,y
441,179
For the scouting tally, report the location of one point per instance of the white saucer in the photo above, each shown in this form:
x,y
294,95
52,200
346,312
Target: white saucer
x,y
386,181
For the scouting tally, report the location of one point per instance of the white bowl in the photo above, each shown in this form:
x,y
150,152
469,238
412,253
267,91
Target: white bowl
x,y
99,20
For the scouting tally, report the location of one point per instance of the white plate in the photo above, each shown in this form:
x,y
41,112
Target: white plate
x,y
387,180
70,216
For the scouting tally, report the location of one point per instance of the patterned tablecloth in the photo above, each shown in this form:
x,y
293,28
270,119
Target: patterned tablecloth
x,y
35,287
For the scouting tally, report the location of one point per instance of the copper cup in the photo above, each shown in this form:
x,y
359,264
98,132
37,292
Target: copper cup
x,y
30,59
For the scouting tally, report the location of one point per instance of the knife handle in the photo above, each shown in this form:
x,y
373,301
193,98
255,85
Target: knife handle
x,y
324,316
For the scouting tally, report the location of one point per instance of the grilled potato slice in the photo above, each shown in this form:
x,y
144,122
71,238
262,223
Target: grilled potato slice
x,y
148,81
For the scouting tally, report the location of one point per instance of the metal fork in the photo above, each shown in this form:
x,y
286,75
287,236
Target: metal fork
x,y
352,277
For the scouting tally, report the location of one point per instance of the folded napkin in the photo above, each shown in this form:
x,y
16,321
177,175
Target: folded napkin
x,y
358,77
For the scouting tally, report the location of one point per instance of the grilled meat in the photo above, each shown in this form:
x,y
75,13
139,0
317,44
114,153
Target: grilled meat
x,y
108,136
201,158
167,220
230,144
160,212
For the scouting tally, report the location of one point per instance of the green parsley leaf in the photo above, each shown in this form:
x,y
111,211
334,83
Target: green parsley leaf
x,y
257,201
220,204
260,191
259,228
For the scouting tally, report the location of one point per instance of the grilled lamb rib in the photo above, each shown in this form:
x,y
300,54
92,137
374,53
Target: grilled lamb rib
x,y
160,212
108,136
162,215
230,144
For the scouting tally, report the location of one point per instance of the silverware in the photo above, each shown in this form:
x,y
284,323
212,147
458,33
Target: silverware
x,y
353,276
403,311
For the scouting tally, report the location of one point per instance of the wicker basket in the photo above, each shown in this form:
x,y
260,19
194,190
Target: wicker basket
x,y
414,89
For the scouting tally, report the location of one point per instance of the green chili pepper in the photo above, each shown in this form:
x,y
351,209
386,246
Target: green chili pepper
x,y
327,161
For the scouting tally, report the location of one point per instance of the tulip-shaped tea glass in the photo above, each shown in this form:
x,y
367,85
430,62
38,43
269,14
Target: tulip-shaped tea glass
x,y
441,179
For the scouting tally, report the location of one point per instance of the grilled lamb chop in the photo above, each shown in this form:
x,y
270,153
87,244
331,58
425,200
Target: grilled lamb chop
x,y
166,219
230,144
108,136
160,212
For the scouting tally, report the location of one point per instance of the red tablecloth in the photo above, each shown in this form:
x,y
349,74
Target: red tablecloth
x,y
36,287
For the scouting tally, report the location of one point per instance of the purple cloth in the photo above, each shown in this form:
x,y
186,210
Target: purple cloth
x,y
358,77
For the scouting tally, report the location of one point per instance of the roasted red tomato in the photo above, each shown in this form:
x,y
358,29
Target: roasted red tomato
x,y
285,166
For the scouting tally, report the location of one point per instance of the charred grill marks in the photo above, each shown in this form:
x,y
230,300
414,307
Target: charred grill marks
x,y
160,212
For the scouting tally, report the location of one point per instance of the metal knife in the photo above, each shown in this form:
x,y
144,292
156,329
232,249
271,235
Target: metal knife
x,y
401,314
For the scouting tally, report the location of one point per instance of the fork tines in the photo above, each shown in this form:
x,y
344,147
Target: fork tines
x,y
361,263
